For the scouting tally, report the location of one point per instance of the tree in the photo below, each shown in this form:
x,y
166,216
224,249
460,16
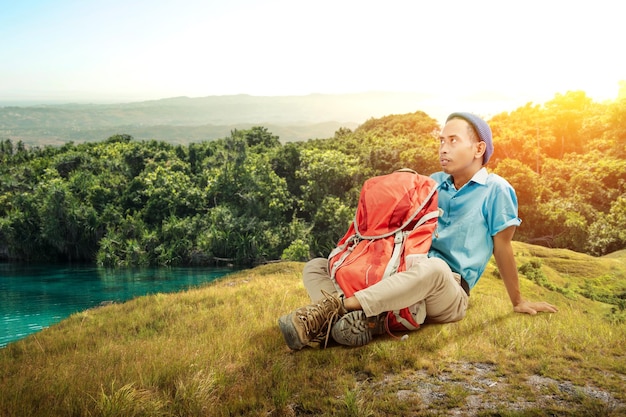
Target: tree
x,y
249,199
258,136
567,113
20,230
119,138
615,133
566,222
66,224
166,191
285,163
128,242
330,223
327,174
607,234
528,188
524,135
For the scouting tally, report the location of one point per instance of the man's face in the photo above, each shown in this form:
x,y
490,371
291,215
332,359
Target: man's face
x,y
458,151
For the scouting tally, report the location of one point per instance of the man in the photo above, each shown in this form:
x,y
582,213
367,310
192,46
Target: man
x,y
478,219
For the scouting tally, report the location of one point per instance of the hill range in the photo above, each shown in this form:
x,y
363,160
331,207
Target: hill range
x,y
184,119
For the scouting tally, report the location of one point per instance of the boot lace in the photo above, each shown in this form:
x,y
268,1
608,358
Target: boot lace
x,y
321,316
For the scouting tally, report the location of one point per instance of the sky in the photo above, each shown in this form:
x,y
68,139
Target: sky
x,y
501,53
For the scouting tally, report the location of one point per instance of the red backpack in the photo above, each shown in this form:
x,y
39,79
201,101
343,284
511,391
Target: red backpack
x,y
396,217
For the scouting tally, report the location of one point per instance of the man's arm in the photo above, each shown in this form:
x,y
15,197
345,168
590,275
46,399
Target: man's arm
x,y
503,253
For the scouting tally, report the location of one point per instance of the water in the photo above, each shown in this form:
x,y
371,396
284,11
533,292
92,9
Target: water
x,y
35,297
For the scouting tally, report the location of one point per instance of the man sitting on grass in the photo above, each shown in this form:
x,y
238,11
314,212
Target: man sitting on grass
x,y
478,218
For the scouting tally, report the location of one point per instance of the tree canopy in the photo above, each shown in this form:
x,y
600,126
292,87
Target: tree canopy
x,y
247,198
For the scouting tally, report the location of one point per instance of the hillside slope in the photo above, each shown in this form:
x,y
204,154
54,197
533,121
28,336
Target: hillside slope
x,y
217,351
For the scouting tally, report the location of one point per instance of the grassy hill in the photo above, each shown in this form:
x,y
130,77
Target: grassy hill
x,y
217,351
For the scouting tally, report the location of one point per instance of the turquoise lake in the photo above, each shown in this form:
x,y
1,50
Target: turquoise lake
x,y
33,297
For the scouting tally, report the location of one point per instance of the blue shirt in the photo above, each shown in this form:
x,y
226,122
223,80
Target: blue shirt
x,y
484,206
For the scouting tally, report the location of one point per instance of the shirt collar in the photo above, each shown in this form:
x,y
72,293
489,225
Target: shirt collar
x,y
480,177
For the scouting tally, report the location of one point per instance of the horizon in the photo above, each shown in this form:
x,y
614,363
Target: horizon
x,y
430,104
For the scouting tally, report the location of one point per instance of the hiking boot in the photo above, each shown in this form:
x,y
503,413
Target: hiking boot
x,y
356,329
309,325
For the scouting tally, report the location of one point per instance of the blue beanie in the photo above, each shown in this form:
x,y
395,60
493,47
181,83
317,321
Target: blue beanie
x,y
482,129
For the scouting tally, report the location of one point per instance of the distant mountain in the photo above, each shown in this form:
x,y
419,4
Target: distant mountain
x,y
185,119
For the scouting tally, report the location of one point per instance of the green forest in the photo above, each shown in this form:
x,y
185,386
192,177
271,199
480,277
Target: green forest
x,y
248,198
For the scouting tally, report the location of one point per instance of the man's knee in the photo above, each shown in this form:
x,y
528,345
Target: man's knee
x,y
436,269
439,265
316,279
316,267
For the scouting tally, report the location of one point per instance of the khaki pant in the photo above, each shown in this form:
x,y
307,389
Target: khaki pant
x,y
430,283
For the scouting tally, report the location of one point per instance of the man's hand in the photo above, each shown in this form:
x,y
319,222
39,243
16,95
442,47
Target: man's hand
x,y
503,252
533,308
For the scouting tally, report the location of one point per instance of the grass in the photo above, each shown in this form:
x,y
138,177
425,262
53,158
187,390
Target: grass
x,y
217,351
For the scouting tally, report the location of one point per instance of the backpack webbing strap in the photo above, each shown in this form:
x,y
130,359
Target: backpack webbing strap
x,y
401,320
394,261
350,244
428,216
399,240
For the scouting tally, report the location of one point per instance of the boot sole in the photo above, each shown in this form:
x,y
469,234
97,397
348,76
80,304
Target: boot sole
x,y
289,332
352,330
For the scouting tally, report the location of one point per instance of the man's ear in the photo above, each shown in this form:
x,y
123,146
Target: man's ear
x,y
480,150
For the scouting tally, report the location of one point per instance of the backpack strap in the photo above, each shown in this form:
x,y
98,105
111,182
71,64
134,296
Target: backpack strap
x,y
347,249
400,238
428,216
394,261
401,320
406,170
